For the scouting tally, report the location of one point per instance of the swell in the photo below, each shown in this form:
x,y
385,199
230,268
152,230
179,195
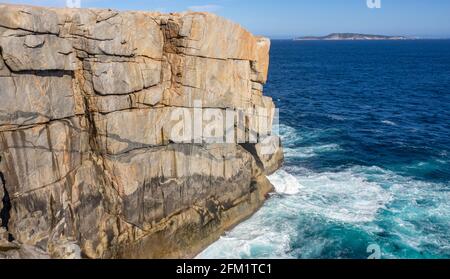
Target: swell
x,y
338,214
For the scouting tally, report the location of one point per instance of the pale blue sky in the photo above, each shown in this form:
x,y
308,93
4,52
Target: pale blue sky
x,y
288,18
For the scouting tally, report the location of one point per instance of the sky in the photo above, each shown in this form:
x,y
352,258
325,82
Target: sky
x,y
291,18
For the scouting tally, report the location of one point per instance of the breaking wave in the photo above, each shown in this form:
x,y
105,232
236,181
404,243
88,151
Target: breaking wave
x,y
308,206
367,155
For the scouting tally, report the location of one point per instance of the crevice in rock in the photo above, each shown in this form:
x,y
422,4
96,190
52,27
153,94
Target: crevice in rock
x,y
251,148
32,32
6,206
44,73
101,18
4,62
22,127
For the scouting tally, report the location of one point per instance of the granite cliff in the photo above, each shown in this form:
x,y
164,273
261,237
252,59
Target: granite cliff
x,y
88,167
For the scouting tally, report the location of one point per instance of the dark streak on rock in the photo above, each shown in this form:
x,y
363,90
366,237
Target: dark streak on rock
x,y
251,148
45,73
6,201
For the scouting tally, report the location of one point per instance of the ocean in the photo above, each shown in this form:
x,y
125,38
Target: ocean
x,y
366,133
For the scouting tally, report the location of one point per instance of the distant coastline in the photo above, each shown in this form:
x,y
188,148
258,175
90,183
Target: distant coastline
x,y
351,37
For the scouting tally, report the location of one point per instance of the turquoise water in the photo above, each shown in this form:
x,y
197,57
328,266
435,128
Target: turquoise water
x,y
366,131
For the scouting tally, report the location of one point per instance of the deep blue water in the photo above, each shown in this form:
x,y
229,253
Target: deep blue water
x,y
366,131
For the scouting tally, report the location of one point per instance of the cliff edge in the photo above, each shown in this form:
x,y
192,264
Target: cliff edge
x,y
93,103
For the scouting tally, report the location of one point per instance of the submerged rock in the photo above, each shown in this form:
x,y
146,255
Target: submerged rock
x,y
89,164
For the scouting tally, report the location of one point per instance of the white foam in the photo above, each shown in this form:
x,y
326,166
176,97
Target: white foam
x,y
387,122
285,183
266,245
260,237
342,196
295,153
310,151
348,199
355,196
288,134
418,205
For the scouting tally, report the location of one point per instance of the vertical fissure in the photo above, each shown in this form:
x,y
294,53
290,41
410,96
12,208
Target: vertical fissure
x,y
5,212
251,148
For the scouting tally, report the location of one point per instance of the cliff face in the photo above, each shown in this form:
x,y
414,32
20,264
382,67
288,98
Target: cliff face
x,y
88,162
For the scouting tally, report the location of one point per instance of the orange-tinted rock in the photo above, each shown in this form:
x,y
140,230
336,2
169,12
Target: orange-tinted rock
x,y
88,160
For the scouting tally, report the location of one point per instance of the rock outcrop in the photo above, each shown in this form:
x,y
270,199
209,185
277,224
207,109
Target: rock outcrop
x,y
88,163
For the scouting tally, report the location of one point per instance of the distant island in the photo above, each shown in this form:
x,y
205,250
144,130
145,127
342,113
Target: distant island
x,y
350,37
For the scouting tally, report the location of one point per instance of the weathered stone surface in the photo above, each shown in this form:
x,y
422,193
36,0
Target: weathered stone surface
x,y
149,97
124,78
30,98
271,159
155,126
4,71
34,19
216,83
117,34
207,35
24,252
261,63
117,78
38,52
178,176
40,156
89,165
